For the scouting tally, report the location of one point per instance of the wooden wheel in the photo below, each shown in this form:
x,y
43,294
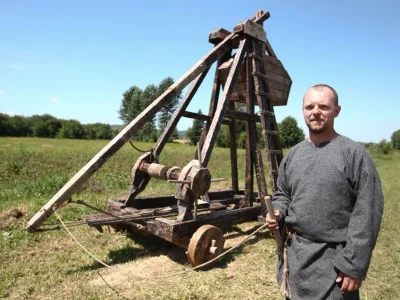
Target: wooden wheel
x,y
206,243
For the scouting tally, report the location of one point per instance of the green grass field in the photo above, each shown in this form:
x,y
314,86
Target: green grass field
x,y
50,265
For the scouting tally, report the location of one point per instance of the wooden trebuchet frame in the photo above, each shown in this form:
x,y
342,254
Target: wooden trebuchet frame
x,y
257,71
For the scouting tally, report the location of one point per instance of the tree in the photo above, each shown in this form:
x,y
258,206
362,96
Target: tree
x,y
384,147
135,100
71,129
98,131
5,125
167,110
193,133
45,126
396,139
20,126
290,134
131,104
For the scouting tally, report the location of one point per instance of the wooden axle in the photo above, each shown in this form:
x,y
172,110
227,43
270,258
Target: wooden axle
x,y
160,171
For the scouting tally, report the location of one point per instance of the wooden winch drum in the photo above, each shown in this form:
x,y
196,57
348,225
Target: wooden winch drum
x,y
279,81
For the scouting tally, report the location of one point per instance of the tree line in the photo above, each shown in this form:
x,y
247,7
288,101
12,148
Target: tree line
x,y
48,126
134,101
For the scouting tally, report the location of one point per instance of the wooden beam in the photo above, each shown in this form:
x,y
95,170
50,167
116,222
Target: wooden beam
x,y
217,36
233,152
250,141
253,29
162,140
179,233
240,115
197,116
222,105
214,100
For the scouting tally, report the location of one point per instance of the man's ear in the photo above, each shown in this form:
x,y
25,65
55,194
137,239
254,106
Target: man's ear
x,y
337,110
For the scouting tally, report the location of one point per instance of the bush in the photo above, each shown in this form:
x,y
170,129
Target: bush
x,y
384,147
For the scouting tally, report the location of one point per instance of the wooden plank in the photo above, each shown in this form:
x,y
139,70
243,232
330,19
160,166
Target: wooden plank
x,y
284,81
218,35
273,68
252,29
247,200
240,115
260,17
233,152
271,141
197,116
179,233
269,49
222,105
163,139
214,100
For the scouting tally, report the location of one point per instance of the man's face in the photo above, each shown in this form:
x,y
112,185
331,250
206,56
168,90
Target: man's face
x,y
319,111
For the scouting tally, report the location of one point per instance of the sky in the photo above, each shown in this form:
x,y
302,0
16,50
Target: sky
x,y
74,59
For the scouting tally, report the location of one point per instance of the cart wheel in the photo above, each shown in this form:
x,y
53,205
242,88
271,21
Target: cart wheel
x,y
206,243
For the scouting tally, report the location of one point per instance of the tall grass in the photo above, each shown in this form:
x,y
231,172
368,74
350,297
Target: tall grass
x,y
48,265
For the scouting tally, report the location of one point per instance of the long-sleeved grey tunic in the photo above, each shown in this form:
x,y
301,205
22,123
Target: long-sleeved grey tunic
x,y
332,199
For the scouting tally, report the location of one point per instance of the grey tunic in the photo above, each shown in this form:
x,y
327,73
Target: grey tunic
x,y
331,197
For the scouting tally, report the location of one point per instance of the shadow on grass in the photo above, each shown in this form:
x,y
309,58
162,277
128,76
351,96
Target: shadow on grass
x,y
146,246
231,256
151,246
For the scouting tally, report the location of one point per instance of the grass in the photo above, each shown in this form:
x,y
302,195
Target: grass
x,y
49,265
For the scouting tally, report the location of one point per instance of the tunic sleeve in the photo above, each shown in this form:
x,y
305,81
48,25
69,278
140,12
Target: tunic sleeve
x,y
365,220
281,199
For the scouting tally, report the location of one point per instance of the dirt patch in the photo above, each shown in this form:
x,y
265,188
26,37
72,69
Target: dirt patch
x,y
11,218
181,141
125,275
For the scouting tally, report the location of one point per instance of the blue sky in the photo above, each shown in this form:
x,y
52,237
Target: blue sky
x,y
74,59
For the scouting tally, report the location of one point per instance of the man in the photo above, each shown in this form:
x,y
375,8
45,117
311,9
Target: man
x,y
329,198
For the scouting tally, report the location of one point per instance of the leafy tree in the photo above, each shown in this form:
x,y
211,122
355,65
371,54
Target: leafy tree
x,y
71,129
6,128
384,147
135,100
167,111
193,133
223,137
45,126
290,134
131,104
98,131
396,139
20,126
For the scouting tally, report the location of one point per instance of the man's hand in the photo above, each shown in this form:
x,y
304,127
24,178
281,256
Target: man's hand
x,y
273,223
349,284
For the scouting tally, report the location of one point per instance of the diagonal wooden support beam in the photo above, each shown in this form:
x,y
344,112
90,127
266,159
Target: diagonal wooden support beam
x,y
178,114
223,103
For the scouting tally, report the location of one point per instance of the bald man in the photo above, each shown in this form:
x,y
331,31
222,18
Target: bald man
x,y
330,204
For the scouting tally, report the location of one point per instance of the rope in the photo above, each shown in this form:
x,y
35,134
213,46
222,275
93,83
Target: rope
x,y
137,149
170,274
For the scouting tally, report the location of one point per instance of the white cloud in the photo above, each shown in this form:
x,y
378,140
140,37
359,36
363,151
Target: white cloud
x,y
11,113
2,92
53,99
16,67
